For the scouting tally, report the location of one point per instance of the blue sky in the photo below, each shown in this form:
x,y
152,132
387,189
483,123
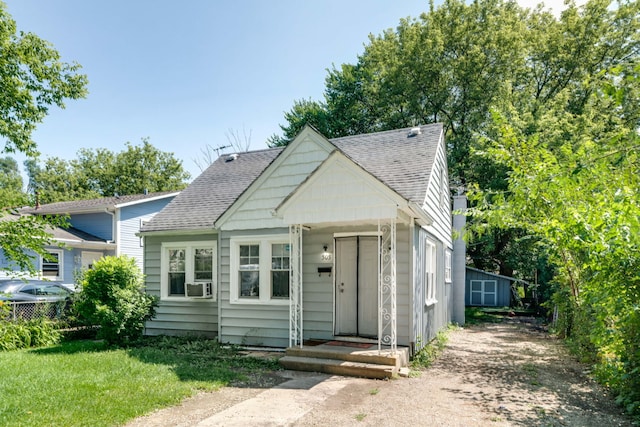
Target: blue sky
x,y
184,73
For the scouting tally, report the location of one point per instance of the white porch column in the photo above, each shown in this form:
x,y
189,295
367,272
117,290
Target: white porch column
x,y
387,311
295,280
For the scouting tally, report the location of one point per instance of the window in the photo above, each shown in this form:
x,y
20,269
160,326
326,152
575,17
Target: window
x,y
52,265
430,272
280,270
260,270
188,270
249,270
447,266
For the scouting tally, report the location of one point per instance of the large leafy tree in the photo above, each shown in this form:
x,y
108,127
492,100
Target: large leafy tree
x,y
11,183
573,183
454,64
32,79
103,173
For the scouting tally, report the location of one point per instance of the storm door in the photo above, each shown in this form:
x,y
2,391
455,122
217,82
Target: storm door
x,y
357,286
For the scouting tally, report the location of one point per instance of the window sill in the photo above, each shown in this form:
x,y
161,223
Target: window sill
x,y
256,301
186,299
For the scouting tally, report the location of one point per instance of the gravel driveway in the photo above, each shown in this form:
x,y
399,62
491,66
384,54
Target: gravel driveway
x,y
504,374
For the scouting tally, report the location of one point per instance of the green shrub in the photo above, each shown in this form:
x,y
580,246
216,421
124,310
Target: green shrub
x,y
28,333
112,297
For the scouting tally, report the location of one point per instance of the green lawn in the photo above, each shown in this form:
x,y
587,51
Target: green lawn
x,y
82,383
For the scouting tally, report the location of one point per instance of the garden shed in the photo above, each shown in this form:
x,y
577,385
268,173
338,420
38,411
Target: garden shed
x,y
485,289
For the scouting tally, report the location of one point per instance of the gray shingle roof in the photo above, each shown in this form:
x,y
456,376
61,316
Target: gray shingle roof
x,y
210,194
400,161
63,234
91,204
75,235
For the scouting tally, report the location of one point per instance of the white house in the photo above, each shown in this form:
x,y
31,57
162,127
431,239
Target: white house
x,y
323,239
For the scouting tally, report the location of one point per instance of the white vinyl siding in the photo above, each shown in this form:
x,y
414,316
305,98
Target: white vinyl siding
x,y
338,192
437,202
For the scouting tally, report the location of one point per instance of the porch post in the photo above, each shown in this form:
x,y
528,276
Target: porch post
x,y
387,316
295,280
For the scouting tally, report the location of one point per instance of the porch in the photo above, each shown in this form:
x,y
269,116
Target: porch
x,y
358,359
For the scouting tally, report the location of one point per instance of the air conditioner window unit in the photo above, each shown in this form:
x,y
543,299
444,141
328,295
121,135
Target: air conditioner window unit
x,y
199,290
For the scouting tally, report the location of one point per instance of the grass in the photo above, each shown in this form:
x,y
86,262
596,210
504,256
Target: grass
x,y
477,315
430,352
84,383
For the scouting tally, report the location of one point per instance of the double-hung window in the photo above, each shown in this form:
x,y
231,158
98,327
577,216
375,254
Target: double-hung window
x,y
430,272
260,270
52,265
188,270
447,266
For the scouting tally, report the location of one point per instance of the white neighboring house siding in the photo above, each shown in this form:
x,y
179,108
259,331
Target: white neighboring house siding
x,y
198,317
129,223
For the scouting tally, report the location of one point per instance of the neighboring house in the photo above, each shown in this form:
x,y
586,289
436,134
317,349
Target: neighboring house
x,y
97,227
348,237
484,289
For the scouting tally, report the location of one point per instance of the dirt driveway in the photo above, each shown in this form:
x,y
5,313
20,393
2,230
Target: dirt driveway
x,y
506,374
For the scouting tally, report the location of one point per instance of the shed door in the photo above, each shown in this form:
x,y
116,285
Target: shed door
x,y
484,292
357,286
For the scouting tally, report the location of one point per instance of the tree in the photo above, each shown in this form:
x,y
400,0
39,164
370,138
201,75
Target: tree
x,y
236,142
103,173
32,78
573,184
11,192
457,62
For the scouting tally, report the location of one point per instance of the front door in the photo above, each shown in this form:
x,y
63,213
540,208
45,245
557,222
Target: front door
x,y
357,286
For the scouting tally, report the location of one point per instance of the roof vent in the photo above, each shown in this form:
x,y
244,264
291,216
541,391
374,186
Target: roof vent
x,y
231,157
414,131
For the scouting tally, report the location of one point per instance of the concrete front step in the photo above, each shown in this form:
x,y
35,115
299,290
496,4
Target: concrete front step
x,y
399,359
339,367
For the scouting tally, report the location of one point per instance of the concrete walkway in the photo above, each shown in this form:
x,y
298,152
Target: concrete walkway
x,y
294,398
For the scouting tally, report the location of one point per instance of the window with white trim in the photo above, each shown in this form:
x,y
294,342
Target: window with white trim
x,y
188,271
51,265
447,266
430,272
260,267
